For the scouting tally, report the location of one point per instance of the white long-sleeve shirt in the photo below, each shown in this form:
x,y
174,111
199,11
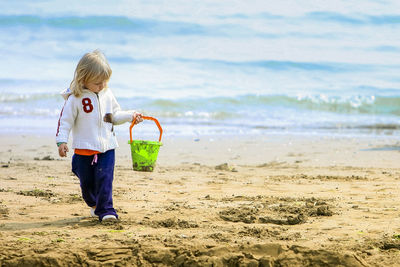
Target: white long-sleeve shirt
x,y
86,117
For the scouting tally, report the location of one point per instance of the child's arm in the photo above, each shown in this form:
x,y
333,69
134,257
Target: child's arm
x,y
65,123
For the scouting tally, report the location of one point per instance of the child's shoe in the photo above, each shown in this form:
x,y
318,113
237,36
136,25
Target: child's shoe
x,y
109,218
92,214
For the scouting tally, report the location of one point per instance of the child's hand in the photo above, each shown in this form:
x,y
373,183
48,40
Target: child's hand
x,y
63,149
137,117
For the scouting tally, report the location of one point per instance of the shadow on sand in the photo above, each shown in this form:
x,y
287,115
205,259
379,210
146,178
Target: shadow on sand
x,y
383,148
78,221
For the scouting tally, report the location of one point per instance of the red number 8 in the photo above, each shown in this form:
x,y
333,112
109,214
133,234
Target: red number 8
x,y
87,105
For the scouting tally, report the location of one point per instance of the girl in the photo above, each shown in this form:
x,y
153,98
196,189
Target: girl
x,y
90,111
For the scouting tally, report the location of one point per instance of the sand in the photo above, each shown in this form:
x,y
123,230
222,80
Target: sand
x,y
273,200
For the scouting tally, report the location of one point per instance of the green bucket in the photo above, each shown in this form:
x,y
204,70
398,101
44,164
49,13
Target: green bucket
x,y
144,153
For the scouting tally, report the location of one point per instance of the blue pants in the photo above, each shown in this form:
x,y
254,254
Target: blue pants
x,y
96,181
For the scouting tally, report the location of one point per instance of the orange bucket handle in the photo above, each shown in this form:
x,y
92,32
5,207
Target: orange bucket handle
x,y
146,118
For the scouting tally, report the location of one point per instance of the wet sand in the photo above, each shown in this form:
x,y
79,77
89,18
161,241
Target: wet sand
x,y
276,200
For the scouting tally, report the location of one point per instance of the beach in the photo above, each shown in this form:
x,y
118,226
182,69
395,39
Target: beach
x,y
212,200
281,125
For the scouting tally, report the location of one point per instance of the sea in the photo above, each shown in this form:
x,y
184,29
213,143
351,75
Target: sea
x,y
210,67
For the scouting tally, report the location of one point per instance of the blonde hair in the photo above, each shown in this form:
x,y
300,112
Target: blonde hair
x,y
93,66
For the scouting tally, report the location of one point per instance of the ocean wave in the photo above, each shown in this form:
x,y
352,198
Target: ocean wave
x,y
227,107
280,65
26,98
222,27
377,20
119,24
230,107
237,113
336,17
276,65
323,16
262,15
386,48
